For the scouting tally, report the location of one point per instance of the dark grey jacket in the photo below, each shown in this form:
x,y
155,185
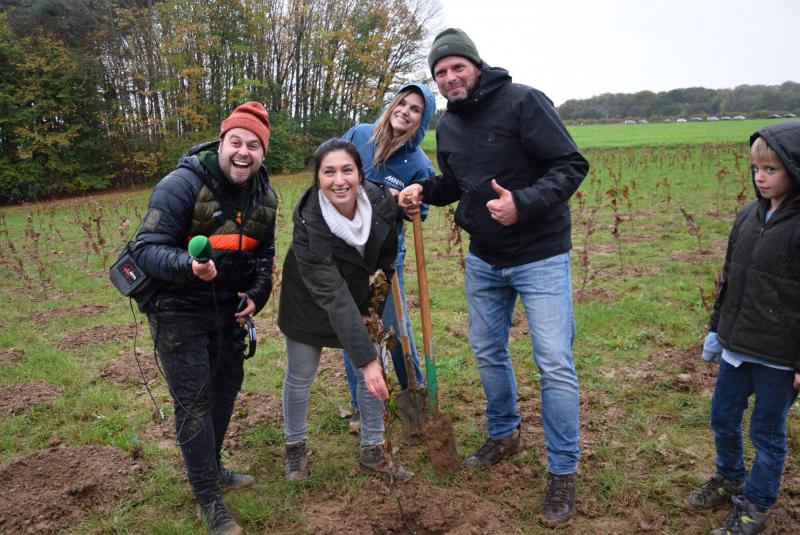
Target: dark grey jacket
x,y
512,133
325,286
757,310
188,202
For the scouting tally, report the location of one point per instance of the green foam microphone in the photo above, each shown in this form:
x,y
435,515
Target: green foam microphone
x,y
200,249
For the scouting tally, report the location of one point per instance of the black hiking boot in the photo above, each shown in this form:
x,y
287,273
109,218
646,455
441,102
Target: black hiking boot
x,y
493,451
713,493
558,508
745,519
296,462
230,480
372,461
219,519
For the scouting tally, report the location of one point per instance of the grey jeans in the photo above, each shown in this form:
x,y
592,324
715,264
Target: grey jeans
x,y
301,369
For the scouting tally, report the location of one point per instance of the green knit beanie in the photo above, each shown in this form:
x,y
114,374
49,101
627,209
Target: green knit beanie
x,y
453,42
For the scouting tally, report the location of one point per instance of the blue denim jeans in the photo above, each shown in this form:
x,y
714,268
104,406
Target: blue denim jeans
x,y
545,289
301,369
202,353
389,318
774,394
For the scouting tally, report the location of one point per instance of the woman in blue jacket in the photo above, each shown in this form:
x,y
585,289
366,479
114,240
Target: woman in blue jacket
x,y
392,156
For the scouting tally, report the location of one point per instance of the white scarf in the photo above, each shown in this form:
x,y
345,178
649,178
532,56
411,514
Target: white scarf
x,y
354,232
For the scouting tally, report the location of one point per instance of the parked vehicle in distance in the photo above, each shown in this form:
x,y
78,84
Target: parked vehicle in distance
x,y
712,118
725,118
789,115
680,120
773,116
696,119
739,117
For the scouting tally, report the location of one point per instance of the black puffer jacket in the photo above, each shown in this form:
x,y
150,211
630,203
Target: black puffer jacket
x,y
512,133
190,201
325,285
757,311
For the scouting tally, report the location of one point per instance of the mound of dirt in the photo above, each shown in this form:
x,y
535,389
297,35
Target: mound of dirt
x,y
49,490
89,311
9,355
250,409
18,398
101,334
680,368
428,510
127,368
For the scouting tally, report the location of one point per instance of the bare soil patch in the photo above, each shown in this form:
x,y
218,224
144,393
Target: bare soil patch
x,y
89,310
18,398
680,368
50,490
250,409
127,368
10,355
331,369
101,334
428,510
695,257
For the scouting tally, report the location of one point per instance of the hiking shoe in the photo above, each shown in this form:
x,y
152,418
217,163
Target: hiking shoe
x,y
372,461
745,519
296,462
354,426
230,480
493,451
219,519
713,493
559,500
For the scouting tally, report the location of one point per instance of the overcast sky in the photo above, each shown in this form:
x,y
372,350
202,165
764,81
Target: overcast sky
x,y
581,48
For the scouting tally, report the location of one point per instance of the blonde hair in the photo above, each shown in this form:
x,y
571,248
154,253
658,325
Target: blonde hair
x,y
383,136
760,151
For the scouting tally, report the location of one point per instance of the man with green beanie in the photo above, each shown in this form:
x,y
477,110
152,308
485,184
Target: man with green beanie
x,y
219,190
508,160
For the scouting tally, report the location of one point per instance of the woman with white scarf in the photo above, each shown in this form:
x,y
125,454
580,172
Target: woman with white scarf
x,y
344,230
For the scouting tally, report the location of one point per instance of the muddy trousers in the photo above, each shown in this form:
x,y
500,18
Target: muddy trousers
x,y
202,354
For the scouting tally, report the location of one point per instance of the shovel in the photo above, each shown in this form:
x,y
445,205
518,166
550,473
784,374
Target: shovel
x,y
411,401
438,430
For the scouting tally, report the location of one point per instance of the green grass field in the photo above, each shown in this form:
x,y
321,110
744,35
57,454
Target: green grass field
x,y
641,273
652,134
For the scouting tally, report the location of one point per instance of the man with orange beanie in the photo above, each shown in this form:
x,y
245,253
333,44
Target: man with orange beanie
x,y
220,190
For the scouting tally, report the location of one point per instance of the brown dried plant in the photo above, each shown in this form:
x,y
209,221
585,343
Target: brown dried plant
x,y
694,229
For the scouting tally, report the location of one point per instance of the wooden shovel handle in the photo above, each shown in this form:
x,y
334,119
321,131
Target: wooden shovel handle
x,y
422,278
399,311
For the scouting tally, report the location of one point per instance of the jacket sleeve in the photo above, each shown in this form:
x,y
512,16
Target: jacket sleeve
x,y
443,189
546,140
327,287
264,256
161,241
713,320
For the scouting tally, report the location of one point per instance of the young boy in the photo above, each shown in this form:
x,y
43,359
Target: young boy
x,y
753,334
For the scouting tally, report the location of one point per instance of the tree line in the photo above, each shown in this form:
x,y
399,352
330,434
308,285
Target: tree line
x,y
99,93
750,100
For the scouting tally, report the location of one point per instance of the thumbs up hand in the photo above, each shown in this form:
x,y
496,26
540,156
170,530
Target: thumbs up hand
x,y
503,210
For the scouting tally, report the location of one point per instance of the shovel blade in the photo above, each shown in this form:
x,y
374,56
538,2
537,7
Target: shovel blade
x,y
412,408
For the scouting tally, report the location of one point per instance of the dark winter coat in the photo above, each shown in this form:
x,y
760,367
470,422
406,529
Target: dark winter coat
x,y
192,201
757,310
325,285
511,133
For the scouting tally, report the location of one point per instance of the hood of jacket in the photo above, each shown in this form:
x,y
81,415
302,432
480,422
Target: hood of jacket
x,y
784,139
427,115
492,78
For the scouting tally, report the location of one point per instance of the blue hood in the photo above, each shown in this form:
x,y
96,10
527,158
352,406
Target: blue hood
x,y
409,162
427,115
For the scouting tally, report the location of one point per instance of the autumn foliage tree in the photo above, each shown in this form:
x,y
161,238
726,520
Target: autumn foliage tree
x,y
110,92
